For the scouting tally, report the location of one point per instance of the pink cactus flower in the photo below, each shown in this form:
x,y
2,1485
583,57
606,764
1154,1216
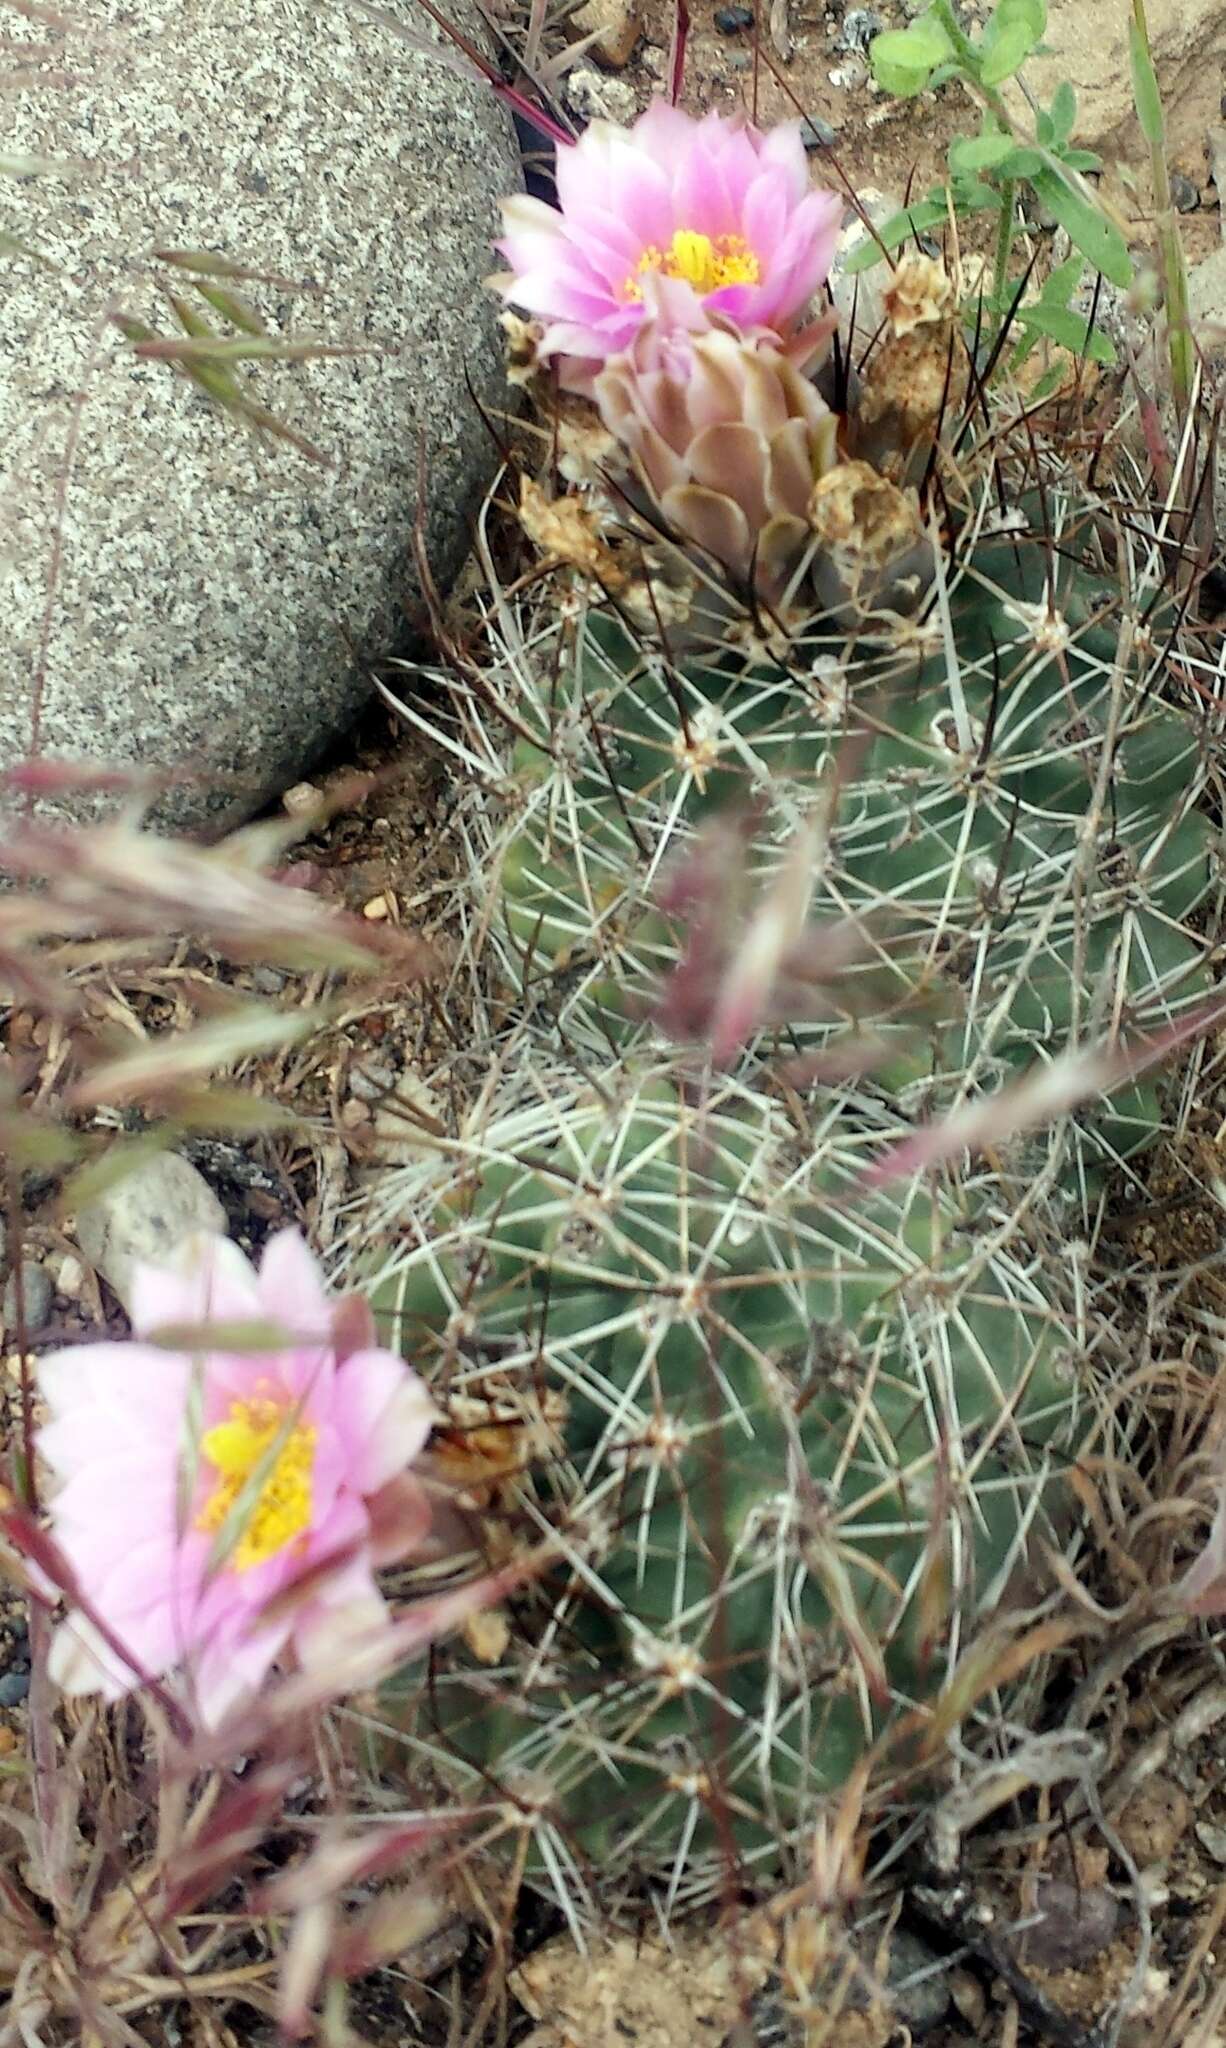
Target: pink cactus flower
x,y
713,203
223,1493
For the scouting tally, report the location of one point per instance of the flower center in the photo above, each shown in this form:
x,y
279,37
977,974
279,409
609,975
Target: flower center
x,y
707,264
265,1469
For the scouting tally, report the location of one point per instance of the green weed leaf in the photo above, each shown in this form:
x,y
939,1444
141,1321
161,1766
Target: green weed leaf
x,y
1007,52
1063,282
927,213
1145,86
981,152
1012,33
1069,330
1063,110
1087,227
904,60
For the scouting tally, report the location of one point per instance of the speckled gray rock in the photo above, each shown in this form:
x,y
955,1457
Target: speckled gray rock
x,y
217,597
1207,306
863,289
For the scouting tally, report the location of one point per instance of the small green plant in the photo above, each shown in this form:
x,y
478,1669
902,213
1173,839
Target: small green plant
x,y
985,171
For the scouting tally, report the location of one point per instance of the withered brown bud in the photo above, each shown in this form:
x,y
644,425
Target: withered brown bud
x,y
587,453
566,531
916,381
874,555
523,348
920,294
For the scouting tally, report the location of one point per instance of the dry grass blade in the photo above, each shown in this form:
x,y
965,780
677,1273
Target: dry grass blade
x,y
116,878
213,1048
1041,1097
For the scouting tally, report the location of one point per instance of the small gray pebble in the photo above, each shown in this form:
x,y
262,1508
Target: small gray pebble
x,y
733,21
37,1292
816,133
860,25
1035,212
738,60
369,1082
269,980
13,1688
144,1217
918,1982
1074,1924
1185,194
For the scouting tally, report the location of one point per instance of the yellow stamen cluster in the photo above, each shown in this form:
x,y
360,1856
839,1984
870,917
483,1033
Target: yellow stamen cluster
x,y
707,264
265,1469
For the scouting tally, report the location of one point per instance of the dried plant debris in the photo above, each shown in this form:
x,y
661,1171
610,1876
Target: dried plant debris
x,y
697,1986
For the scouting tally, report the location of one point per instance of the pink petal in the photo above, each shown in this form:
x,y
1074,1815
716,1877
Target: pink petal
x,y
291,1289
400,1518
353,1326
665,133
147,1611
784,150
641,190
228,1672
703,200
790,476
129,1379
79,1661
118,1497
352,1609
208,1280
94,1434
731,458
1202,1589
383,1414
348,1602
523,216
157,1571
559,295
591,225
711,520
766,220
